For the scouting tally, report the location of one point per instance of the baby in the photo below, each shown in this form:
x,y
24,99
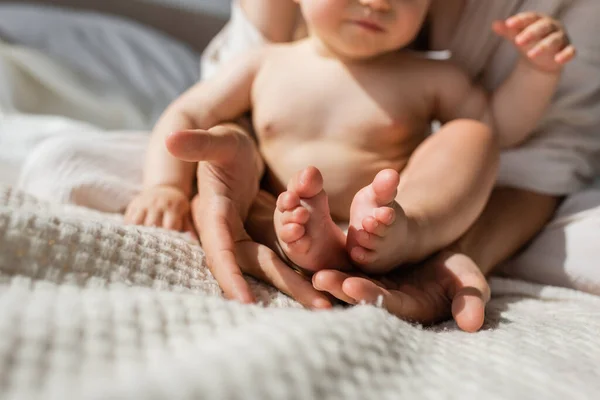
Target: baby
x,y
352,114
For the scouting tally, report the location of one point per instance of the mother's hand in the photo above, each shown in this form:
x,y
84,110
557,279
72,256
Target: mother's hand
x,y
229,171
448,285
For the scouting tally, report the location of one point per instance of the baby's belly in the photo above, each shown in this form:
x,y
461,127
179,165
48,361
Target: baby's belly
x,y
345,169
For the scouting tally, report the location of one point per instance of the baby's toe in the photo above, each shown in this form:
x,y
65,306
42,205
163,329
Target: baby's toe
x,y
360,255
307,183
291,232
385,215
288,201
385,186
300,246
298,215
367,240
372,226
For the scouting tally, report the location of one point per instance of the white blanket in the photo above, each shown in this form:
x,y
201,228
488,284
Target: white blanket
x,y
94,309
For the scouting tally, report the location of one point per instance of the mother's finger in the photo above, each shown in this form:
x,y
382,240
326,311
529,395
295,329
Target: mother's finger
x,y
264,264
408,304
219,144
468,291
332,281
219,247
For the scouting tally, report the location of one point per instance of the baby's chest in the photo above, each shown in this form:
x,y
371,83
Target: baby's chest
x,y
336,106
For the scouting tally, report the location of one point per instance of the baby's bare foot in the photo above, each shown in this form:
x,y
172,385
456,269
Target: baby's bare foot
x,y
306,232
378,233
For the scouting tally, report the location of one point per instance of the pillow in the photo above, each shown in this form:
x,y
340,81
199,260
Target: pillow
x,y
121,54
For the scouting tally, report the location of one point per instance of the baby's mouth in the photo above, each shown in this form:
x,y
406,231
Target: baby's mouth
x,y
368,25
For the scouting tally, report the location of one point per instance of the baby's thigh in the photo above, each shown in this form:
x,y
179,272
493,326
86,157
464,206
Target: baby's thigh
x,y
100,171
566,252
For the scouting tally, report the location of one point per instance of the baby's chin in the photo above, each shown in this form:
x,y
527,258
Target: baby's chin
x,y
357,52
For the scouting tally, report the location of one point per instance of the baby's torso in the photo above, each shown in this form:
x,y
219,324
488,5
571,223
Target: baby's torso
x,y
350,122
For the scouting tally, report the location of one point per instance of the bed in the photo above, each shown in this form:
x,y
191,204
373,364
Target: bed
x,y
93,309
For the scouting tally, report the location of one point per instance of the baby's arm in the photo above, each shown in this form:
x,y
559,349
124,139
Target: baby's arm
x,y
519,103
164,201
516,107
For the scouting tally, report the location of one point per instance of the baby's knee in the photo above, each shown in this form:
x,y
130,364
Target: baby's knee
x,y
470,130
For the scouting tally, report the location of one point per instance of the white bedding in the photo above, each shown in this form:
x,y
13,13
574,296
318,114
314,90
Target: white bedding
x,y
94,309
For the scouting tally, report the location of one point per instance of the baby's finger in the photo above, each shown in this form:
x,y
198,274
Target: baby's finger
x,y
503,30
188,227
500,28
129,212
172,220
521,21
566,55
153,218
554,43
135,216
536,32
219,248
217,144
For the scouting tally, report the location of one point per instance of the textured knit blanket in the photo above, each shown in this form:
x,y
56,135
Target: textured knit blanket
x,y
90,308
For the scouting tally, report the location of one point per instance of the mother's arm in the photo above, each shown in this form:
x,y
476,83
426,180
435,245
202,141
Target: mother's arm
x,y
275,19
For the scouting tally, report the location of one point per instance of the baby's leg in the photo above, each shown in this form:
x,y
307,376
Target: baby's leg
x,y
440,193
307,234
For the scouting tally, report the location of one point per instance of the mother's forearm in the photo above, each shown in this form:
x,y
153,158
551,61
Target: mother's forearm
x,y
510,220
276,19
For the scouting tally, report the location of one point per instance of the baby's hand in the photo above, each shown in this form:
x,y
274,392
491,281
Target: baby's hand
x,y
163,207
541,39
